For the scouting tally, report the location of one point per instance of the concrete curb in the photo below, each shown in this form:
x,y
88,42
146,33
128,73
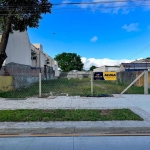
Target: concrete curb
x,y
84,127
74,130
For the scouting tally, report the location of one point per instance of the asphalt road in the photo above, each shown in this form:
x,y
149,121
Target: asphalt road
x,y
76,143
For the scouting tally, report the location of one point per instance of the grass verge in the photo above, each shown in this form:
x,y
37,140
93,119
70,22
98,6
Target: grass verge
x,y
67,115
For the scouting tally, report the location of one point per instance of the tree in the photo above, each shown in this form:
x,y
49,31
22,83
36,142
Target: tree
x,y
19,15
92,68
69,61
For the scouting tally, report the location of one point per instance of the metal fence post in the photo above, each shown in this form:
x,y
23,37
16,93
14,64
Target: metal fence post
x,y
91,83
39,84
145,82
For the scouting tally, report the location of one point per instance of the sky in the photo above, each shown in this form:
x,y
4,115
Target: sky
x,y
102,32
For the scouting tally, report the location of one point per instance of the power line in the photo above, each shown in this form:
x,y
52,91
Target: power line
x,y
84,3
99,2
101,8
140,51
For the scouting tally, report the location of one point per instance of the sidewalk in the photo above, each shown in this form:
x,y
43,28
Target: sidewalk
x,y
140,104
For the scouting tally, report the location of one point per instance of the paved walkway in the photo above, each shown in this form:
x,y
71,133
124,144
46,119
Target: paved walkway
x,y
140,104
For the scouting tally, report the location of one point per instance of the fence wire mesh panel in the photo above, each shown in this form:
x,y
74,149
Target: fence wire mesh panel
x,y
116,87
19,81
126,78
69,84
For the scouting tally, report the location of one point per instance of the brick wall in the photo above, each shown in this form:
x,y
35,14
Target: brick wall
x,y
13,69
23,75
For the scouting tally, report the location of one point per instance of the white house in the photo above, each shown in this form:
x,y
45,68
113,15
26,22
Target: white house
x,y
20,51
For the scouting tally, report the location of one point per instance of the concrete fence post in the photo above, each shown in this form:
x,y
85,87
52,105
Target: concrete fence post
x,y
39,84
145,82
91,83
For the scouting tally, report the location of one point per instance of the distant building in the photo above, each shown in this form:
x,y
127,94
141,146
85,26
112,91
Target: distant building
x,y
78,74
107,69
138,65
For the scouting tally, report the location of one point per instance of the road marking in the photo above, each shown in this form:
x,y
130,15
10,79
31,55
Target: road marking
x,y
71,135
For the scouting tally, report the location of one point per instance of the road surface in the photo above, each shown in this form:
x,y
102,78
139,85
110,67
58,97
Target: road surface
x,y
76,143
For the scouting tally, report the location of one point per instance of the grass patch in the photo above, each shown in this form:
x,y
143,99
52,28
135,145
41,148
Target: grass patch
x,y
67,115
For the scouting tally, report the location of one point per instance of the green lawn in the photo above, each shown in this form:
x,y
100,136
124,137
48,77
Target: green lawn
x,y
73,87
67,115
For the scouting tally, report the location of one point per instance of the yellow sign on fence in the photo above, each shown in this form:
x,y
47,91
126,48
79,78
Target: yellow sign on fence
x,y
110,75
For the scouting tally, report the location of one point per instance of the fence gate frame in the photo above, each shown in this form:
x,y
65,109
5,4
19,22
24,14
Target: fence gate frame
x,y
145,73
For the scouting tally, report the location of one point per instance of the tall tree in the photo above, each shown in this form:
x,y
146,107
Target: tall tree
x,y
69,61
19,15
92,68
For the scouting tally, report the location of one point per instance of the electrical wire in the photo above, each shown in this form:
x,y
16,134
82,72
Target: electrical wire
x,y
100,8
139,52
89,3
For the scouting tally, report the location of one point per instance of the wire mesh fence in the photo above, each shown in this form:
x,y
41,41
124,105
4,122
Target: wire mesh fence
x,y
19,81
124,79
68,84
20,87
79,84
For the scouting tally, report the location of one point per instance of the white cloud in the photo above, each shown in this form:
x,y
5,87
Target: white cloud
x,y
101,62
94,39
131,27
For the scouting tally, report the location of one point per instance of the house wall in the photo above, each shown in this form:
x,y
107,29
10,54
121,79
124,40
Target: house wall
x,y
42,59
41,56
140,82
39,46
100,69
57,72
18,48
109,68
135,66
35,63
